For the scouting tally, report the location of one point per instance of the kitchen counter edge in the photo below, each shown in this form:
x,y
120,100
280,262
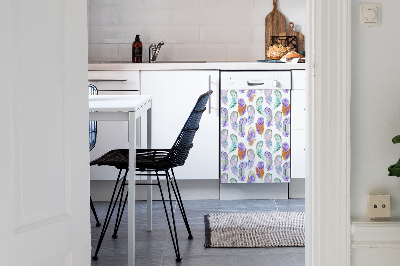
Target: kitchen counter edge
x,y
195,66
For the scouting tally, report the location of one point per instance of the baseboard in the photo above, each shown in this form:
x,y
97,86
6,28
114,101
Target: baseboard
x,y
375,243
297,188
253,191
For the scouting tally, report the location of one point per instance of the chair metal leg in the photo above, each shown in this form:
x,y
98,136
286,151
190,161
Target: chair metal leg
x,y
120,211
109,213
94,213
180,203
174,239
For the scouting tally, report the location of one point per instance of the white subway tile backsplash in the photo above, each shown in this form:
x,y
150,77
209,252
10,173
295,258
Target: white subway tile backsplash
x,y
173,34
105,16
192,30
199,52
246,17
115,34
145,17
199,16
119,3
172,3
224,34
104,52
246,53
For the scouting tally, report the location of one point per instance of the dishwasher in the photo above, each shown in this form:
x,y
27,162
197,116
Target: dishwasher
x,y
255,126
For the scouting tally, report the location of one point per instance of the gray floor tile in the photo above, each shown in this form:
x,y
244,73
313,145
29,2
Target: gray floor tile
x,y
155,248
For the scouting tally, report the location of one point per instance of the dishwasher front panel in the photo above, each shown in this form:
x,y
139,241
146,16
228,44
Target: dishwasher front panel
x,y
255,131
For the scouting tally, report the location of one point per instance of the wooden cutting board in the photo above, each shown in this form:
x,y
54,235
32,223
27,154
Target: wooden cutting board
x,y
299,36
275,23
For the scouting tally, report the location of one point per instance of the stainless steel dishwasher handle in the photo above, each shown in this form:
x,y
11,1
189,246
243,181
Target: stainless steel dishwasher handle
x,y
254,83
209,89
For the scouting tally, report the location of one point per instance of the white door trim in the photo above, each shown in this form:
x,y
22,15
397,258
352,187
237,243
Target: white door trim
x,y
329,82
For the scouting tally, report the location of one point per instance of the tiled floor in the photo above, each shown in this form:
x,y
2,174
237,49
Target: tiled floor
x,y
155,248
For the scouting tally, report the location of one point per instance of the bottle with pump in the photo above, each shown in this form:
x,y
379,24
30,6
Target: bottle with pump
x,y
137,50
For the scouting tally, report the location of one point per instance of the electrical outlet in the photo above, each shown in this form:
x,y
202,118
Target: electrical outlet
x,y
378,206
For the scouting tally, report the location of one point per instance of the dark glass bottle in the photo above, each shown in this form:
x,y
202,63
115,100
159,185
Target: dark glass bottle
x,y
137,50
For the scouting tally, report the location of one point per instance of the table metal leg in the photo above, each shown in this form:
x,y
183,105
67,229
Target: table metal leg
x,y
132,190
149,178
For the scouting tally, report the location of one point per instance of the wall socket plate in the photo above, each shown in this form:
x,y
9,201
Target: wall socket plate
x,y
378,206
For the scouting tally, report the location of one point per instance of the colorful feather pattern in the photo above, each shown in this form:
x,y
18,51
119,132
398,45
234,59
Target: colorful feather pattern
x,y
285,151
250,112
268,97
233,180
278,99
234,122
250,158
224,178
224,117
268,161
268,139
241,106
241,151
260,125
286,171
242,127
285,107
278,165
259,150
259,105
224,97
242,171
251,136
234,166
224,139
277,180
233,143
268,178
286,127
278,143
278,120
233,99
224,161
250,95
251,178
268,116
260,170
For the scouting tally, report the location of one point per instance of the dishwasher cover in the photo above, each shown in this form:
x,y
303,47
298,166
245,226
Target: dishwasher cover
x,y
255,136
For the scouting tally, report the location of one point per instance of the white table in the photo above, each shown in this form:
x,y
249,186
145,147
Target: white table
x,y
127,108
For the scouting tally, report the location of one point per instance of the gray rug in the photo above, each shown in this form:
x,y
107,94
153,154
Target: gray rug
x,y
271,229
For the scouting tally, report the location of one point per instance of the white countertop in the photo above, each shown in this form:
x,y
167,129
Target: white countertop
x,y
196,66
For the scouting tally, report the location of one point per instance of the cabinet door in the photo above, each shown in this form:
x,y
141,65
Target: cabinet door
x,y
298,153
174,96
298,112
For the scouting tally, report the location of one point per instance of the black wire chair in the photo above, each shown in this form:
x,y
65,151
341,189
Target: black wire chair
x,y
149,161
92,143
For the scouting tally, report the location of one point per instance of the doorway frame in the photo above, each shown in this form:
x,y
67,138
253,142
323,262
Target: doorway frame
x,y
328,223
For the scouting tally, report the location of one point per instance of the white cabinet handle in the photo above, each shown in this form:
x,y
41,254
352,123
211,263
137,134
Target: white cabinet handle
x,y
275,83
209,99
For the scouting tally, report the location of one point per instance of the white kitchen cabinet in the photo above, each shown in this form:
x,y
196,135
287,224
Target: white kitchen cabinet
x,y
174,96
298,124
112,134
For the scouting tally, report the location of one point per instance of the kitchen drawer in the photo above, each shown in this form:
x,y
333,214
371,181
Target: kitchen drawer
x,y
298,79
298,106
256,80
115,80
298,154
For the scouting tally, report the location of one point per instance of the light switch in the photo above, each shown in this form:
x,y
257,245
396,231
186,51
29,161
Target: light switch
x,y
369,14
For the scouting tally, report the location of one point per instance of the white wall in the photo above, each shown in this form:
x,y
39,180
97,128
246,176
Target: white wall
x,y
375,108
375,120
193,30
